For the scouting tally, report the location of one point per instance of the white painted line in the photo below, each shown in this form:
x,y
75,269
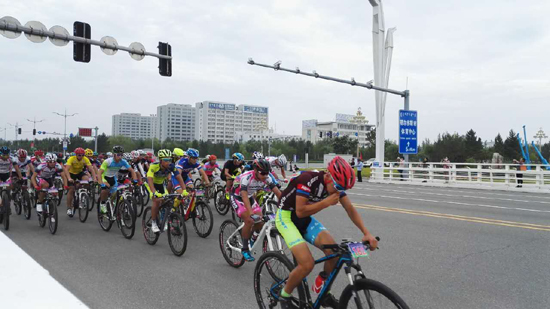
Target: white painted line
x,y
449,202
26,284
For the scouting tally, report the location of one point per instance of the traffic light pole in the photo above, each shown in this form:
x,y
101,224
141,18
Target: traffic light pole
x,y
95,148
17,127
65,130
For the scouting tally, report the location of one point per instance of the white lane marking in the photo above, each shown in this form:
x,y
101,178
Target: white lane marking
x,y
26,284
458,196
458,190
450,202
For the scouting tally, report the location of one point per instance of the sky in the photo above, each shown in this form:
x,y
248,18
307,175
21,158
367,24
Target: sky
x,y
468,64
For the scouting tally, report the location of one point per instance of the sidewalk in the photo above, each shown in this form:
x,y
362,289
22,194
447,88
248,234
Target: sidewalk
x,y
26,284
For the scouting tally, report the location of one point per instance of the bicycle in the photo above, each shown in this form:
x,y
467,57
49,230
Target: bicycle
x,y
141,196
5,211
120,209
81,200
221,202
49,210
231,242
58,183
22,200
170,220
195,208
361,291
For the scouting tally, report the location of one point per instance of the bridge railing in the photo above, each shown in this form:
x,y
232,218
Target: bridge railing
x,y
472,174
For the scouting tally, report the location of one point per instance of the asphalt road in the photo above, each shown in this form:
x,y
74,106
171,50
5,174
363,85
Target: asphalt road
x,y
440,248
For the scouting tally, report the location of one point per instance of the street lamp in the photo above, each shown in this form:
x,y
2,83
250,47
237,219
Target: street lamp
x,y
358,120
540,135
65,130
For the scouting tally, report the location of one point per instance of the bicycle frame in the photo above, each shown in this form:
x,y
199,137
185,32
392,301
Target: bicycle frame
x,y
167,204
266,230
345,260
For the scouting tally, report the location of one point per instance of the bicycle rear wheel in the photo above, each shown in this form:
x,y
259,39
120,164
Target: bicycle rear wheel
x,y
268,287
17,204
83,207
177,234
221,203
203,219
7,210
27,208
232,257
145,194
127,219
92,199
104,219
370,294
140,202
146,220
276,238
52,217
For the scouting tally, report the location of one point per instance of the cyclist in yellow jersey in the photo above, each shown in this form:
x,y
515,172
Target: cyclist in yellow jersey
x,y
74,170
157,174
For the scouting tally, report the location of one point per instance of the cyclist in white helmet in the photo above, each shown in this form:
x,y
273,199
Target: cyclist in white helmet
x,y
278,162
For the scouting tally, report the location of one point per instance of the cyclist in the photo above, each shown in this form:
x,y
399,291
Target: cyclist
x,y
230,169
143,159
185,166
306,195
124,172
37,159
25,167
44,177
211,166
244,204
74,171
157,174
60,159
90,155
136,164
6,166
278,162
255,156
108,172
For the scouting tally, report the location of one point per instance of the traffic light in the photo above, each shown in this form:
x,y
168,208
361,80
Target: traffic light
x,y
321,134
329,133
19,130
165,65
33,131
82,52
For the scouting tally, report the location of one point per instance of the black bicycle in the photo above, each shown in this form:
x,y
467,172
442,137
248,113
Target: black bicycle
x,y
22,199
120,208
171,221
273,268
5,210
49,210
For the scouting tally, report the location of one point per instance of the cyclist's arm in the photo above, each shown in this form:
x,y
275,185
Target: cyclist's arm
x,y
30,169
246,200
353,214
304,210
226,172
134,175
91,169
33,180
66,171
182,183
283,172
151,185
204,177
64,177
277,192
18,171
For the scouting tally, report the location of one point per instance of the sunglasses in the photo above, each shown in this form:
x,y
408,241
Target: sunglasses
x,y
79,155
263,173
338,187
166,159
118,154
193,158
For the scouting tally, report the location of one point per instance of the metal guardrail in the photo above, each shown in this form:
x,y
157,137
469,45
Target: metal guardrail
x,y
477,174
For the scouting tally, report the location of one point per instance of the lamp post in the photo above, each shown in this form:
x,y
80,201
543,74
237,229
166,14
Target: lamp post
x,y
540,135
65,130
358,120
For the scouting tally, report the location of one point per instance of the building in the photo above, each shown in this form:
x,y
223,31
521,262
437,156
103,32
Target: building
x,y
176,122
219,121
354,126
134,125
265,135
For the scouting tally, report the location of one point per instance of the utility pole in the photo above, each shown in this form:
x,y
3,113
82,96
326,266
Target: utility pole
x,y
17,128
65,130
34,128
540,135
96,128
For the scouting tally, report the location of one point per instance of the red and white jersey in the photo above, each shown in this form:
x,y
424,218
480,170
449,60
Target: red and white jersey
x,y
45,172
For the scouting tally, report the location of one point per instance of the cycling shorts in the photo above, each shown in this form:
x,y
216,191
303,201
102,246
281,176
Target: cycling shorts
x,y
77,176
176,184
238,205
294,230
113,183
49,181
4,177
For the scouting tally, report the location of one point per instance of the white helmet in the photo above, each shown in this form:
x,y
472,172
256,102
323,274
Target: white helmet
x,y
282,160
109,154
135,154
257,155
142,152
50,157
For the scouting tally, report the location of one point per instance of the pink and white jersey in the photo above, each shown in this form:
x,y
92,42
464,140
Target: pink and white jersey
x,y
36,161
273,161
45,172
23,165
209,168
251,184
6,165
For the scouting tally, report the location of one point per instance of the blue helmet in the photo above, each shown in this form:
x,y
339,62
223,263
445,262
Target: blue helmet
x,y
5,150
193,153
238,156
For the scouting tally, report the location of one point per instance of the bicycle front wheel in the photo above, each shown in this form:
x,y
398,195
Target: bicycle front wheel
x,y
83,207
52,217
177,234
127,219
229,236
17,204
267,287
370,294
203,219
148,233
221,203
104,219
6,206
27,208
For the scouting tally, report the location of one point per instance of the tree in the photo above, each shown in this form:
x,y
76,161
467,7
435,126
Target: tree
x,y
473,145
546,151
344,145
512,148
499,144
126,142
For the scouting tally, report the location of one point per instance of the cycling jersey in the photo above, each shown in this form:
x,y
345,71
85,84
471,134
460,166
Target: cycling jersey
x,y
6,165
43,171
95,163
186,167
77,166
251,184
158,174
231,167
309,185
210,168
23,165
36,161
272,160
110,167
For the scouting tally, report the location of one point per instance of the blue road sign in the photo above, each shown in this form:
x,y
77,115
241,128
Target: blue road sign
x,y
71,135
39,132
227,153
408,132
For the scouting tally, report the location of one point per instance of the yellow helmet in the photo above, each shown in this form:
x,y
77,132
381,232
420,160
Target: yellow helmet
x,y
178,152
89,152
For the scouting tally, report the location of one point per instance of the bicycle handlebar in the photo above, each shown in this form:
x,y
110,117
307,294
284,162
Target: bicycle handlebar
x,y
344,244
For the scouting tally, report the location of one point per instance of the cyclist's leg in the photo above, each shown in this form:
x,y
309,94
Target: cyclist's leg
x,y
298,247
156,201
323,238
43,184
72,185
